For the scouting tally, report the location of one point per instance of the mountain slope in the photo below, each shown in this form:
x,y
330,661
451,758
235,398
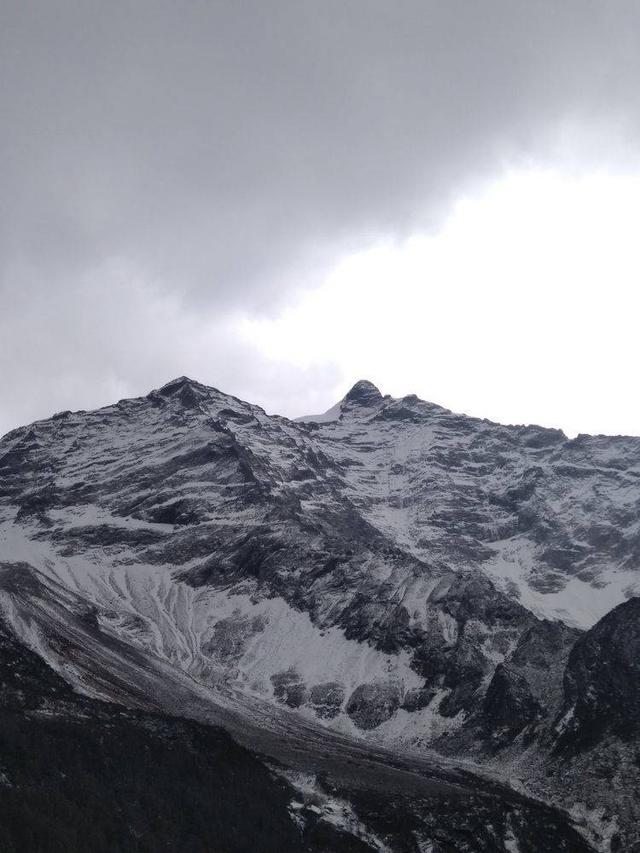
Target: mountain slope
x,y
75,776
78,774
398,543
391,571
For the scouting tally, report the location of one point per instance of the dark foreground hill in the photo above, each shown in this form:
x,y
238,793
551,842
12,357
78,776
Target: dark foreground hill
x,y
77,775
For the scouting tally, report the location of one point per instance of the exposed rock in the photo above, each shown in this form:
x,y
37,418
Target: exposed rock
x,y
363,393
35,504
230,636
289,688
417,698
326,699
509,705
602,681
371,704
541,657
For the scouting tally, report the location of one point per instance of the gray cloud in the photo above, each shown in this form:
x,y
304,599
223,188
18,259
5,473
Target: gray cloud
x,y
218,155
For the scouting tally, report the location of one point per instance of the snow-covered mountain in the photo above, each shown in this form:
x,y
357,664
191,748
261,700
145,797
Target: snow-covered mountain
x,y
389,571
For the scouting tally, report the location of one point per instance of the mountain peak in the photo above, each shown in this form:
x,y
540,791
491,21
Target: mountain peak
x,y
186,390
178,382
363,392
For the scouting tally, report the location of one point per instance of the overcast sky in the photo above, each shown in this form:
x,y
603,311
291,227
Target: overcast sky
x,y
278,197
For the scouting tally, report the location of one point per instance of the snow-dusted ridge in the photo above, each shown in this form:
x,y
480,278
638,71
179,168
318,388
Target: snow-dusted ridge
x,y
390,570
543,517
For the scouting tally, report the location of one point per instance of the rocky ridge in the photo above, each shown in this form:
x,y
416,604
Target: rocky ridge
x,y
392,570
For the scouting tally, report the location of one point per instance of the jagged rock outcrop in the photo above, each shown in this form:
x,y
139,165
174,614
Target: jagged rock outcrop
x,y
602,681
372,704
509,706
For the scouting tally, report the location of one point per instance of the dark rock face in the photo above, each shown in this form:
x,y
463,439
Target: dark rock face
x,y
364,393
229,637
541,657
326,699
475,597
509,706
485,621
542,641
463,676
181,512
371,704
417,698
289,688
524,693
36,504
602,681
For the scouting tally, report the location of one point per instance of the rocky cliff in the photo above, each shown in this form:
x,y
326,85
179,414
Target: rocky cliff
x,y
390,571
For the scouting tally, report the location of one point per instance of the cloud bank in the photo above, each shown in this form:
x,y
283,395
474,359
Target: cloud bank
x,y
168,169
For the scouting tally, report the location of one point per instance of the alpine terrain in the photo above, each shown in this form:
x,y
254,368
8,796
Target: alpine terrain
x,y
385,628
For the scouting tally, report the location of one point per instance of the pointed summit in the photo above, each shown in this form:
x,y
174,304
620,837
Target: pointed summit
x,y
364,393
186,391
178,382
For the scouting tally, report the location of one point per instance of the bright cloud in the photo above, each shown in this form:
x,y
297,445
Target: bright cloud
x,y
522,308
